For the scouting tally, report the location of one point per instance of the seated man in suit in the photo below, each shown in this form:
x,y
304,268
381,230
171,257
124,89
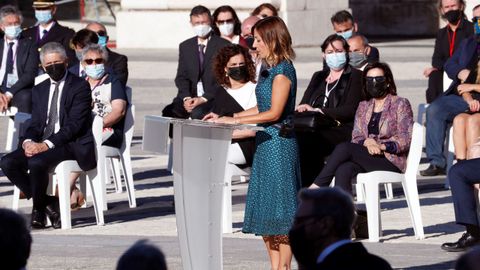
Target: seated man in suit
x,y
49,30
60,129
463,176
116,62
19,62
195,81
320,235
344,25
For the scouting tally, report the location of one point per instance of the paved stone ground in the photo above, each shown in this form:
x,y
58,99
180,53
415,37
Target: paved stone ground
x,y
87,246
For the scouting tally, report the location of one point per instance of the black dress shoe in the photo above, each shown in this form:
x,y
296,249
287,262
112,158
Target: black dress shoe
x,y
38,219
466,241
53,213
433,170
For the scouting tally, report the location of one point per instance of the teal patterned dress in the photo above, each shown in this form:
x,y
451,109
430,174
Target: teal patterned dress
x,y
275,178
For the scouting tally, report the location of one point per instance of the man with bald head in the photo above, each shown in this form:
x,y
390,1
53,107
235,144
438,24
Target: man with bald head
x,y
247,25
116,62
358,51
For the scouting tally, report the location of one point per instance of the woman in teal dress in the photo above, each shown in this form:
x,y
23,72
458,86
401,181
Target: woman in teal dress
x,y
275,179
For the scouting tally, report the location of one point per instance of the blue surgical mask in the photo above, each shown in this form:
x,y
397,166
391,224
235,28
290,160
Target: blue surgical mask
x,y
43,16
95,71
336,61
13,31
102,41
347,34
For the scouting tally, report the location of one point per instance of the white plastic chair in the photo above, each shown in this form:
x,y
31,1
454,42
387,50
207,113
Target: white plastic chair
x,y
12,132
370,182
95,177
231,170
122,156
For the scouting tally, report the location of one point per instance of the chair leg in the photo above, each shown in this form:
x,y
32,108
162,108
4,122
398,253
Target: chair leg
x,y
450,153
389,191
15,198
93,179
127,169
372,201
360,193
117,176
10,135
411,194
63,177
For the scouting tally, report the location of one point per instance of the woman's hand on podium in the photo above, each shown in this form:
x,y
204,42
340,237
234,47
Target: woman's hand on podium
x,y
211,117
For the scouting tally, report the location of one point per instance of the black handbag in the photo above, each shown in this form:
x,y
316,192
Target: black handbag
x,y
312,121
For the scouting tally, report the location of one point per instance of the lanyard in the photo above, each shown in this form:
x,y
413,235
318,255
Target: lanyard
x,y
451,41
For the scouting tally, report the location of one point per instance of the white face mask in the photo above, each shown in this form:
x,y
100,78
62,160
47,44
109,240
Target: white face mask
x,y
226,29
202,30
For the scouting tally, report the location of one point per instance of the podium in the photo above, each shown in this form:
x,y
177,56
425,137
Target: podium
x,y
200,151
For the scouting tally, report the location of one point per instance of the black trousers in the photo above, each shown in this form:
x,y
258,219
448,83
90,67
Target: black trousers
x,y
347,160
435,86
30,174
462,176
314,147
176,110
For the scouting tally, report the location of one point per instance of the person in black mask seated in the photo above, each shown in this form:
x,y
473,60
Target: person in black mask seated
x,y
381,135
335,92
235,71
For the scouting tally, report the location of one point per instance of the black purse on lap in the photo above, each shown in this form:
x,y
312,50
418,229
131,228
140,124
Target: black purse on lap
x,y
312,121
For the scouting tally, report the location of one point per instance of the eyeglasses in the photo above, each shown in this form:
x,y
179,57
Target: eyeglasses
x,y
225,21
90,61
376,79
102,33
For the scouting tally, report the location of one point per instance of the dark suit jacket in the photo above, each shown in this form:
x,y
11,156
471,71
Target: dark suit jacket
x,y
57,33
352,256
343,100
188,72
373,56
465,57
27,63
75,117
441,53
119,64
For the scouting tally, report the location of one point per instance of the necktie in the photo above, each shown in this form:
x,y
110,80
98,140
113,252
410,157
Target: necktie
x,y
201,55
44,33
52,114
9,65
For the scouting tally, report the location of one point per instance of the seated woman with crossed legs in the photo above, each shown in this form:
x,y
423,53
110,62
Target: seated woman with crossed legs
x,y
381,135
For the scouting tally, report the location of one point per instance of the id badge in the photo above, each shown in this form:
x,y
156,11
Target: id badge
x,y
200,90
11,80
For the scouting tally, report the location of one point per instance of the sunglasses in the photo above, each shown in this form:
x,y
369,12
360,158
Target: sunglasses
x,y
376,79
225,21
102,33
90,61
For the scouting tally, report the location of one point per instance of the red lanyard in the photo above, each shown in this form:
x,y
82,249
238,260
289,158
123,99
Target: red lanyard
x,y
451,41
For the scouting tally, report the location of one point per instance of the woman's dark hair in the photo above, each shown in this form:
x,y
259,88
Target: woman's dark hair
x,y
223,56
84,37
237,29
332,38
391,88
259,9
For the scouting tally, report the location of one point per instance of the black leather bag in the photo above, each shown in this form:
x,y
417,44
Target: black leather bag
x,y
312,121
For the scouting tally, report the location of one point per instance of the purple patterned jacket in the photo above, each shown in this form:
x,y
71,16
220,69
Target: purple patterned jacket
x,y
396,123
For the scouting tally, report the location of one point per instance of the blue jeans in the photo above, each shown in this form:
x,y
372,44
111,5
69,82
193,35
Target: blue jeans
x,y
439,114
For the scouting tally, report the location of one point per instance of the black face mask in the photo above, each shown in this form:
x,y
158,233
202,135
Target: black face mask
x,y
249,40
56,71
238,73
453,16
377,88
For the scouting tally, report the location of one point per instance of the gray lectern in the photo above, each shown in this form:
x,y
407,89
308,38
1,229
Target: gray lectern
x,y
200,151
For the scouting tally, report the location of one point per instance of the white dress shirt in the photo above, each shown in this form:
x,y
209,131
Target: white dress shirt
x,y
50,95
41,28
3,67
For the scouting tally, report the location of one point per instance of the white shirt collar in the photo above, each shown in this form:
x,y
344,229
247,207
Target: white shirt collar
x,y
49,26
